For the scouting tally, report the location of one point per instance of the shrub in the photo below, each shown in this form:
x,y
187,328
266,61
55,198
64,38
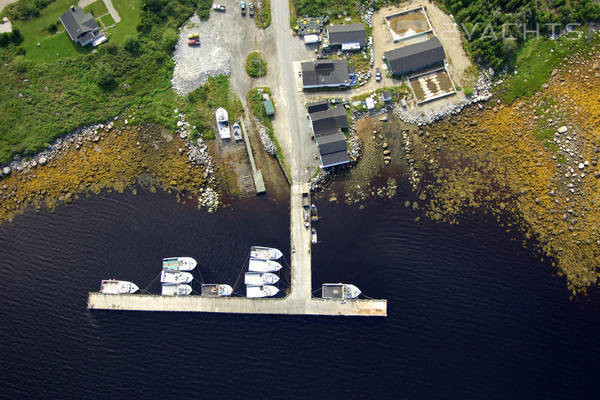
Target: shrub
x,y
104,75
15,37
468,92
256,67
169,40
52,29
131,43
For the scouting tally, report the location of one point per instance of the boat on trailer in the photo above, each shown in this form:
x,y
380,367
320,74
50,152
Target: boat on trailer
x,y
257,265
179,264
175,277
256,278
265,253
237,132
261,291
215,290
223,123
340,291
113,286
176,290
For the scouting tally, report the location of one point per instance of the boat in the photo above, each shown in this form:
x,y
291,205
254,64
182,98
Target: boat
x,y
257,265
179,264
223,123
261,291
313,236
176,290
265,253
237,132
340,291
314,216
175,277
256,278
113,286
214,290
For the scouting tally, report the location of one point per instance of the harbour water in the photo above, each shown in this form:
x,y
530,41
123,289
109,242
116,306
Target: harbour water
x,y
472,314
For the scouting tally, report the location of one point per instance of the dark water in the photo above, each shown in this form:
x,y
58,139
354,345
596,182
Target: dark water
x,y
472,315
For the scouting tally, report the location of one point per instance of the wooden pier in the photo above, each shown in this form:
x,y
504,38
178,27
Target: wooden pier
x,y
298,302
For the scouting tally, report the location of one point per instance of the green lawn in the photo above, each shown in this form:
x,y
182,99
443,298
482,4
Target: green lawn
x,y
129,11
108,20
97,8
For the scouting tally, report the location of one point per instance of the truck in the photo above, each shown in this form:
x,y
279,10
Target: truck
x,y
243,7
218,7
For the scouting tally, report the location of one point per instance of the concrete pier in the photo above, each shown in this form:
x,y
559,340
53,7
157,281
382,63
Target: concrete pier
x,y
259,182
298,302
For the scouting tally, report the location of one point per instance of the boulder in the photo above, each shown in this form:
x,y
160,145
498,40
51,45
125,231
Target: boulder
x,y
387,152
563,129
6,170
42,160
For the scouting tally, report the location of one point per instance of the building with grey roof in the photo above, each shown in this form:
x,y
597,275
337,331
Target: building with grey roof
x,y
81,26
327,124
326,74
348,37
415,57
315,106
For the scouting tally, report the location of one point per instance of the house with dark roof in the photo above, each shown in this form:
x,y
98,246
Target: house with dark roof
x,y
81,27
327,124
326,74
348,37
415,57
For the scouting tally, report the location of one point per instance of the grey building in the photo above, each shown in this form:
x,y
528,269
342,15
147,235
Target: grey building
x,y
326,73
348,37
81,26
415,57
331,142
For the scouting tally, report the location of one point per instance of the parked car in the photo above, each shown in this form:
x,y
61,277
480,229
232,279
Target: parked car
x,y
377,74
251,8
218,7
243,7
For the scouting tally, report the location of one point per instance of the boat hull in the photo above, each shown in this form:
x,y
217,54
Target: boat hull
x,y
261,291
176,264
265,253
214,290
257,278
176,290
113,286
258,265
175,277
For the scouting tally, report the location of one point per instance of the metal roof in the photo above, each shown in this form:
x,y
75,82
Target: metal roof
x,y
328,121
415,56
325,72
351,33
269,109
332,143
315,106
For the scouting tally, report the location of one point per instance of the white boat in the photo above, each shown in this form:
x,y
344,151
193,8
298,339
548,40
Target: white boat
x,y
212,290
179,264
261,291
223,123
237,132
257,265
340,291
265,253
113,286
175,277
176,290
256,278
313,236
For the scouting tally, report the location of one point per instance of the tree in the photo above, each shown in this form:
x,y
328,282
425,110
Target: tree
x,y
104,75
131,43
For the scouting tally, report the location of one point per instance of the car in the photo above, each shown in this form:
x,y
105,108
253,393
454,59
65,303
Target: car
x,y
243,7
218,7
377,74
251,8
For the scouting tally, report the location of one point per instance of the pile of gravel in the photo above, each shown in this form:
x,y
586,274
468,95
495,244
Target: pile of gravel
x,y
195,64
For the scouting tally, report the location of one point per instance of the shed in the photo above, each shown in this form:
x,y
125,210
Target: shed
x,y
415,57
269,109
348,37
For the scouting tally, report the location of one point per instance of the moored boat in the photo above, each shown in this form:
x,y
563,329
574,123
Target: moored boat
x,y
223,123
340,291
214,290
113,286
265,253
313,236
176,289
237,132
257,265
176,264
314,216
175,277
256,278
261,291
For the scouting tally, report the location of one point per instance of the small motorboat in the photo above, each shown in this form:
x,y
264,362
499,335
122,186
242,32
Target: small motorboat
x,y
256,278
237,132
223,123
340,291
176,290
313,236
179,264
261,291
314,216
175,277
213,290
257,265
265,253
113,286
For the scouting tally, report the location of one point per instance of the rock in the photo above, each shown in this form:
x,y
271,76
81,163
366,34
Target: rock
x,y
581,165
387,152
545,86
385,146
596,67
563,129
554,72
43,160
6,170
96,139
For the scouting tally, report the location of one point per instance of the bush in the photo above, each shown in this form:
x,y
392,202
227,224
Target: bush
x,y
15,37
468,92
20,64
52,29
104,75
169,40
25,9
131,43
256,67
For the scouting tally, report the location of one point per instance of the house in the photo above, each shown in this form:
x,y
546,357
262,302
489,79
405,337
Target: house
x,y
269,108
348,37
415,57
326,74
327,124
82,27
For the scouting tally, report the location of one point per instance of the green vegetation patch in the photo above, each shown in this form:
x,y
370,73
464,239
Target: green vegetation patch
x,y
263,16
256,66
107,20
97,8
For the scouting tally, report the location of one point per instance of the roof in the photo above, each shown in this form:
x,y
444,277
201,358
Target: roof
x,y
387,96
78,23
329,121
415,56
325,73
332,143
351,33
329,160
315,106
269,109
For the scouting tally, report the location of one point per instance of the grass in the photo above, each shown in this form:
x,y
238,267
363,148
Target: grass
x,y
97,8
256,66
263,17
129,11
398,92
107,20
255,100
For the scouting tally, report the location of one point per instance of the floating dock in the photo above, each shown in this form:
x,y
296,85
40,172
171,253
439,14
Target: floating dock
x,y
298,302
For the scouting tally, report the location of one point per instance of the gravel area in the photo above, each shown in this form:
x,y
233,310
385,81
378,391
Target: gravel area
x,y
195,64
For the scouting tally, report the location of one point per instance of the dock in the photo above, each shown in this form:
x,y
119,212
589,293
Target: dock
x,y
259,182
299,301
